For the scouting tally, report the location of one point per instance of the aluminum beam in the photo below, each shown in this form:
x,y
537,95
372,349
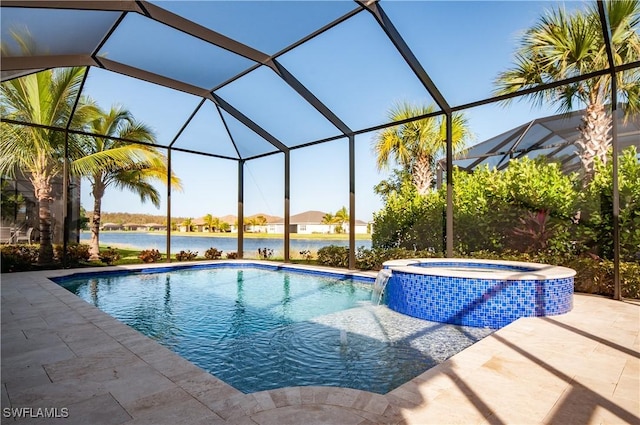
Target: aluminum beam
x,y
16,63
308,96
247,122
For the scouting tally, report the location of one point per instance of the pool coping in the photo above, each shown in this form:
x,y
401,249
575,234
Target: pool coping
x,y
539,271
559,361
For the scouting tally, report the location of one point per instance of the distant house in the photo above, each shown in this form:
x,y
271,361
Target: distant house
x,y
134,226
310,222
111,226
197,225
150,227
261,228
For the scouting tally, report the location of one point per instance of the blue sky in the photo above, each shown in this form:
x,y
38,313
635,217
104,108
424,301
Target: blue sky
x,y
353,69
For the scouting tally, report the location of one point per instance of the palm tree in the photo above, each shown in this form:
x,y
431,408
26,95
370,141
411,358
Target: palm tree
x,y
329,219
562,45
211,222
109,162
45,98
187,222
417,145
341,217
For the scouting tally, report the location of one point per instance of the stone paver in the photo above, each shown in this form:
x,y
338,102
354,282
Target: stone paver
x,y
58,351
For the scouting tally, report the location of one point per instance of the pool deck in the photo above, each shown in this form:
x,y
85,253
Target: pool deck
x,y
58,352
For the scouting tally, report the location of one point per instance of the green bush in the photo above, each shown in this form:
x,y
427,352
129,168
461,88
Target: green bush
x,y
596,208
109,255
408,220
186,255
593,275
212,254
232,255
75,255
334,256
150,256
372,259
18,258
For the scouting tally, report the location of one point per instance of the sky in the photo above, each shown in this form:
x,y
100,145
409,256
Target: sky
x,y
353,69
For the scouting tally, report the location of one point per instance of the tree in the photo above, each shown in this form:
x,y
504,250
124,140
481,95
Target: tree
x,y
415,146
341,216
562,45
224,226
187,223
107,161
329,219
45,98
211,222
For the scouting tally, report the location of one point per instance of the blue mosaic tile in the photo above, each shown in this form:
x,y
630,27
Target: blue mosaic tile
x,y
491,303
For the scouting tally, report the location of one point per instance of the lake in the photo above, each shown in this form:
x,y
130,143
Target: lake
x,y
140,240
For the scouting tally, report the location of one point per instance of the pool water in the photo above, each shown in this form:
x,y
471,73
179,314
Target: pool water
x,y
260,329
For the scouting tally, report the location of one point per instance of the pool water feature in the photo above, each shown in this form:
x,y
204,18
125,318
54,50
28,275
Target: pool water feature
x,y
259,328
380,284
482,293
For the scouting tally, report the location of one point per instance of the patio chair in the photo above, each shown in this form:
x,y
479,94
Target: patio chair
x,y
26,237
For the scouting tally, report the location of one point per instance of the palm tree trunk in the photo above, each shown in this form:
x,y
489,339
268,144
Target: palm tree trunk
x,y
45,254
422,175
42,189
595,138
94,246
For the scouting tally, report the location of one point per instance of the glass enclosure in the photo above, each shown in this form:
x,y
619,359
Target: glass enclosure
x,y
268,113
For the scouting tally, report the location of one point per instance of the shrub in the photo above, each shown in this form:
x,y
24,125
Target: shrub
x,y
212,254
334,256
596,208
18,258
372,259
265,253
307,255
76,253
109,255
186,255
593,274
232,255
150,256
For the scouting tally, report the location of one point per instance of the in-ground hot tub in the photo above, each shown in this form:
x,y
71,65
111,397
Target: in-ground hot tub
x,y
482,293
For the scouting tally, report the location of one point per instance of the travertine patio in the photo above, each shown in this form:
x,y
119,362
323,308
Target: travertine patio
x,y
60,352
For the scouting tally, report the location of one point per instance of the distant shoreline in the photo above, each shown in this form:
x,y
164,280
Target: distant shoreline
x,y
247,235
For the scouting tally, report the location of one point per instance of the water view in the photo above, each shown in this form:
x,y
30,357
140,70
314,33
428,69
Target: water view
x,y
139,240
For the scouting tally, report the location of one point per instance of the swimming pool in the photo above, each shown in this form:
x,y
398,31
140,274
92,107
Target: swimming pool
x,y
261,327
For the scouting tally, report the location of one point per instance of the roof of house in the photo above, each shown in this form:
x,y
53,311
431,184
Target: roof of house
x,y
308,217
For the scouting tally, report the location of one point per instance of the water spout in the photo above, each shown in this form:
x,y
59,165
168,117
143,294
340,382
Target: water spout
x,y
381,284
